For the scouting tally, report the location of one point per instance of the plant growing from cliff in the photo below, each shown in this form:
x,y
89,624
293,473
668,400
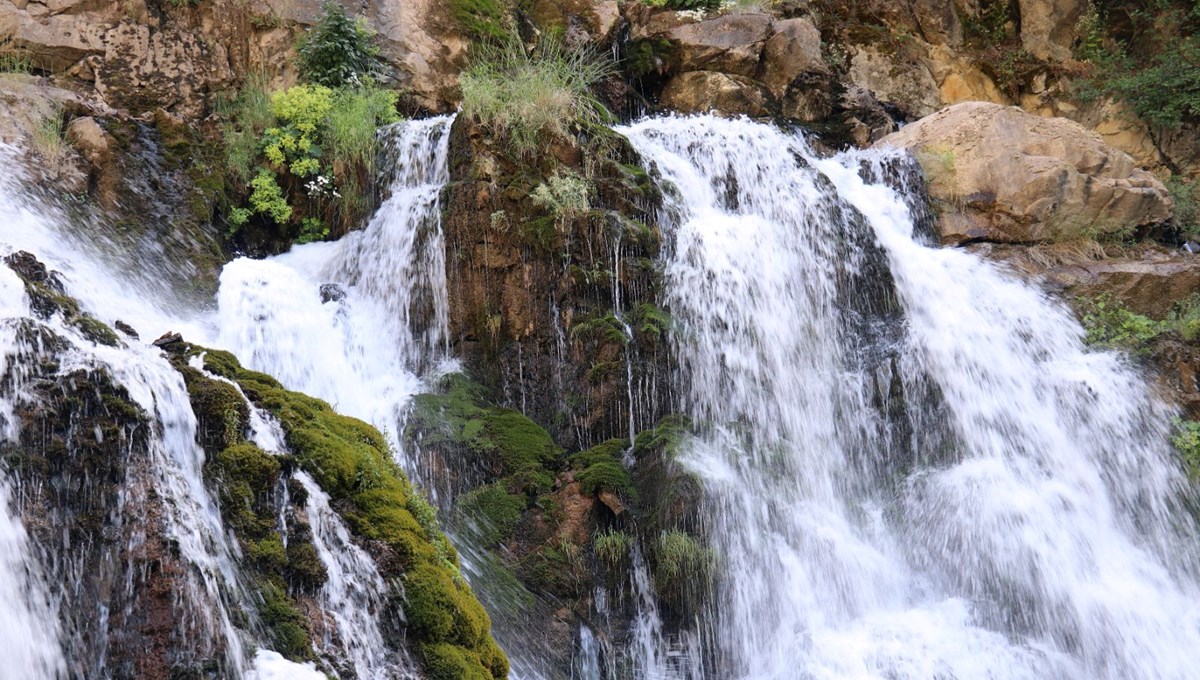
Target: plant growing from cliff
x,y
1187,442
611,546
339,50
988,26
1146,55
1110,325
566,195
526,96
1187,206
482,20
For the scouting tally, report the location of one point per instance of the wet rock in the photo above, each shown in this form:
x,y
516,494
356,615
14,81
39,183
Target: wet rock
x,y
712,92
125,328
168,338
793,50
1006,175
731,44
332,292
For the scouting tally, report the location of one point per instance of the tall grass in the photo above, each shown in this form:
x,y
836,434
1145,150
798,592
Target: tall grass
x,y
524,95
247,115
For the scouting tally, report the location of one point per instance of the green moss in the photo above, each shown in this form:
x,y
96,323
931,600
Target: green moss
x,y
490,512
509,442
1187,442
606,476
220,410
350,460
447,662
96,330
482,19
304,568
268,554
441,608
284,622
245,475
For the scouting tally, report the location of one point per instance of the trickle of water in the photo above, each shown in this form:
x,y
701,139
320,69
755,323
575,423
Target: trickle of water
x,y
352,594
1024,523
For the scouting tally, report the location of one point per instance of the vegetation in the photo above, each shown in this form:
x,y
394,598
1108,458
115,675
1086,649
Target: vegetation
x,y
339,51
524,96
306,154
680,559
565,194
1110,325
599,468
1187,443
350,460
688,5
483,20
988,27
1187,206
612,546
1146,54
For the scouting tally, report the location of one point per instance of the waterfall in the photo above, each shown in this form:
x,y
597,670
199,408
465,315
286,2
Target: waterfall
x,y
912,465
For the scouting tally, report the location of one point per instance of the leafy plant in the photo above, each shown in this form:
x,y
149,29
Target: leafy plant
x,y
339,50
525,96
1187,206
1187,443
988,26
267,197
1110,325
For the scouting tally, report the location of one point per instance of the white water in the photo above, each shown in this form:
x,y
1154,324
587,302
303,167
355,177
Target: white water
x,y
1046,541
360,353
352,595
29,631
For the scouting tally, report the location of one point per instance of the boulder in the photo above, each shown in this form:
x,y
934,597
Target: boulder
x,y
1048,26
731,44
793,50
908,86
1006,175
712,92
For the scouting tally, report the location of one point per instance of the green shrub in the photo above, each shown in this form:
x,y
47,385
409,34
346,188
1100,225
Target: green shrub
x,y
1187,443
267,198
1110,325
565,194
1187,207
525,96
988,26
339,50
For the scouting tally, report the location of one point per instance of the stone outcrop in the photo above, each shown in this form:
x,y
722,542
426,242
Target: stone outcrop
x,y
1048,26
1004,175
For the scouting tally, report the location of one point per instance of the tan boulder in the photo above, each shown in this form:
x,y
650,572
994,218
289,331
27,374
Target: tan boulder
x,y
1006,175
908,86
793,50
731,44
712,92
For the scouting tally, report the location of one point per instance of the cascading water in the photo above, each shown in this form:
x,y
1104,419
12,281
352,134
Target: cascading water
x,y
1027,521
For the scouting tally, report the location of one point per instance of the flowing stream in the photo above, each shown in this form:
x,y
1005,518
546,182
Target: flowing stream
x,y
912,467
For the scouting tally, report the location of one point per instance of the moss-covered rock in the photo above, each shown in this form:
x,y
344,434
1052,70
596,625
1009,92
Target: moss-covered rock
x,y
351,462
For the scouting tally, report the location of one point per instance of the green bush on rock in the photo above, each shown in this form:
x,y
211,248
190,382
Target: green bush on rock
x,y
339,50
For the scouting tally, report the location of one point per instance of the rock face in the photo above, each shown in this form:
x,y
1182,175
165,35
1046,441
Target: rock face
x,y
1048,26
746,63
1005,175
138,55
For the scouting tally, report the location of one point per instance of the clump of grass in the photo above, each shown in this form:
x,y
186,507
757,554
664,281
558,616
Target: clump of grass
x,y
353,121
49,140
248,115
14,58
525,96
681,559
611,546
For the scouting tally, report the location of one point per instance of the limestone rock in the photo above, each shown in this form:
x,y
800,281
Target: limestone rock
x,y
1048,26
709,91
1150,284
1021,178
938,21
90,140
